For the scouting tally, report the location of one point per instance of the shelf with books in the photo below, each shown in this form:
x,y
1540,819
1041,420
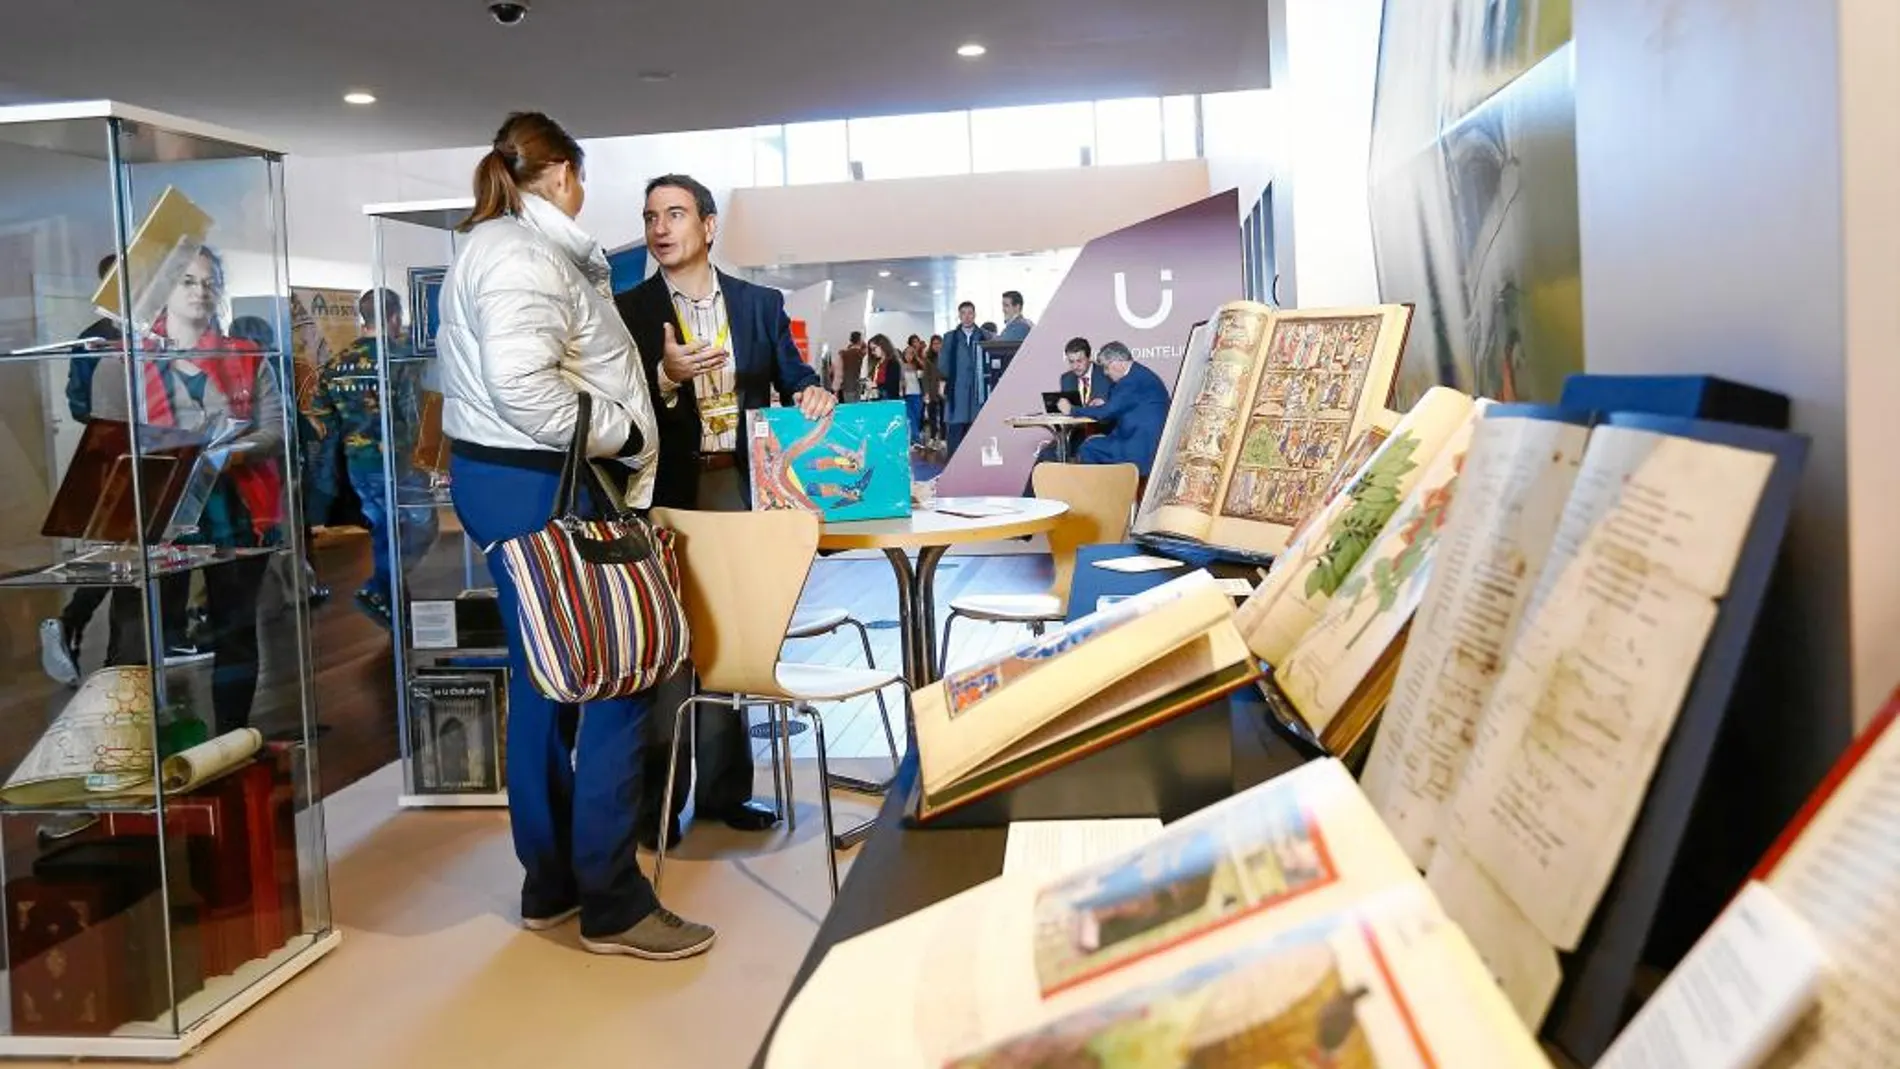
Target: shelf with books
x,y
162,462
450,670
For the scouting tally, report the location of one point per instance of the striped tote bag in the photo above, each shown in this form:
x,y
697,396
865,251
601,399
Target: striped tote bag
x,y
600,607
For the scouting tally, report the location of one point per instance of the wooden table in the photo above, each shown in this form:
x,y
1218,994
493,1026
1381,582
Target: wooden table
x,y
931,532
1058,427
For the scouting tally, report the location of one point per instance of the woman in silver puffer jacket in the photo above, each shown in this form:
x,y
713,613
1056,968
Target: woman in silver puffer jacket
x,y
527,323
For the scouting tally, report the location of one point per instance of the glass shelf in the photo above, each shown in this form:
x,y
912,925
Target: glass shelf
x,y
62,576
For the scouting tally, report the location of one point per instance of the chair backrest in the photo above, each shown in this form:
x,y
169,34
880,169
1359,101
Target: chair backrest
x,y
1101,498
741,573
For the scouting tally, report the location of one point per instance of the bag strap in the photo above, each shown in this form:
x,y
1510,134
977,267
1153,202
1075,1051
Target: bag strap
x,y
606,501
576,456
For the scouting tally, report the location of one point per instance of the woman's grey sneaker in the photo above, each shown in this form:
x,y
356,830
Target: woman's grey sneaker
x,y
661,935
542,924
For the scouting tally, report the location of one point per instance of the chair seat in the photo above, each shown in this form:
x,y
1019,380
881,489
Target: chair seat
x,y
824,682
1008,608
816,622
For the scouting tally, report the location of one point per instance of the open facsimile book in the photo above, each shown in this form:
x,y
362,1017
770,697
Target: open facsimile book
x,y
1578,577
1262,423
1800,972
1332,614
1281,927
1077,689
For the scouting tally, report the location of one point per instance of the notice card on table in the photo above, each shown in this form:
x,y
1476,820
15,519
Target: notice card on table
x,y
1137,564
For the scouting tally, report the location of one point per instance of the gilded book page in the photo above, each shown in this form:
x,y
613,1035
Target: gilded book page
x,y
1183,411
1189,474
1377,600
1565,749
1305,577
1319,370
1518,474
1842,877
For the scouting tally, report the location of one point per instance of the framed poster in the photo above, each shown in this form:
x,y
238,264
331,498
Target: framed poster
x,y
425,307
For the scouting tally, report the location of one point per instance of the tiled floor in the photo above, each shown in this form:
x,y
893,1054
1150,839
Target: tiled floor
x,y
434,971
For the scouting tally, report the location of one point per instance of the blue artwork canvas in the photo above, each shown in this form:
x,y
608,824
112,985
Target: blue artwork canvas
x,y
852,465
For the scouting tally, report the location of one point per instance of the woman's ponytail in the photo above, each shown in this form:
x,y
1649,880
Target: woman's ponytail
x,y
525,147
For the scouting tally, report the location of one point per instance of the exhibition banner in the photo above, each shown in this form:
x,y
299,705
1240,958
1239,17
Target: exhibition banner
x,y
323,323
1145,286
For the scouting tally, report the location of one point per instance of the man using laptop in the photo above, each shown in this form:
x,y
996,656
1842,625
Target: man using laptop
x,y
1083,378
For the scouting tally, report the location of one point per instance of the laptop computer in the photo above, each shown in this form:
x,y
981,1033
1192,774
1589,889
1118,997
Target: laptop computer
x,y
1049,399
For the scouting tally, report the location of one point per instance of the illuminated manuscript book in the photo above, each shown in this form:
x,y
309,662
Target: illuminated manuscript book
x,y
1261,425
1076,690
1282,927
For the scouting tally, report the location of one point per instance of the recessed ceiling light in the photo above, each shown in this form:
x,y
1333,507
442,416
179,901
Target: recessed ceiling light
x,y
359,97
884,273
971,50
914,283
655,76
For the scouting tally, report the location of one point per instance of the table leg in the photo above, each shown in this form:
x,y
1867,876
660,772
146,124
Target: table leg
x,y
1061,435
915,625
911,634
925,606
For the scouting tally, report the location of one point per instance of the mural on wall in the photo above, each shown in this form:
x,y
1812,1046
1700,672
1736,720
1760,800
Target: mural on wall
x,y
1473,189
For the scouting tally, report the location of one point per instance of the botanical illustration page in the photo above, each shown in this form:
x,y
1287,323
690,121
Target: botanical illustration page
x,y
1310,571
1376,602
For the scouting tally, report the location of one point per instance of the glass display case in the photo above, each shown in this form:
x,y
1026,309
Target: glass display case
x,y
162,858
451,658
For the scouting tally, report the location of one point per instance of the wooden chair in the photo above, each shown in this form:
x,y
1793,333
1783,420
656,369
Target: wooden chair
x,y
1101,500
741,574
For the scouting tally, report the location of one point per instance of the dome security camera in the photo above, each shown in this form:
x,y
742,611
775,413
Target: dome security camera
x,y
508,12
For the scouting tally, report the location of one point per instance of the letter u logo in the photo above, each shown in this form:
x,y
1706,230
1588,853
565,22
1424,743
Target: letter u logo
x,y
1140,322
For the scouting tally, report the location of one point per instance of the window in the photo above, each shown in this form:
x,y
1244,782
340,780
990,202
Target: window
x,y
816,152
1237,124
912,146
1128,131
1045,137
768,156
1181,127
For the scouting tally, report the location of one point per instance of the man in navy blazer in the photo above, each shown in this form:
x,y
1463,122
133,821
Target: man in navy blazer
x,y
713,348
1135,412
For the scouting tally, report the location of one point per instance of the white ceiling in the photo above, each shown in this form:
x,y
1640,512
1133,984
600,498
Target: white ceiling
x,y
445,74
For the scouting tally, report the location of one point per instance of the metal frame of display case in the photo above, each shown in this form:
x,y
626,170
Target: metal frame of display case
x,y
119,139
443,216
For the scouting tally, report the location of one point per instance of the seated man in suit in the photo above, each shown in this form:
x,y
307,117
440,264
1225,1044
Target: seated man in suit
x,y
1083,378
713,348
1135,412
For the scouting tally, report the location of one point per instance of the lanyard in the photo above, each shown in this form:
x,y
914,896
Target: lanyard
x,y
725,332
